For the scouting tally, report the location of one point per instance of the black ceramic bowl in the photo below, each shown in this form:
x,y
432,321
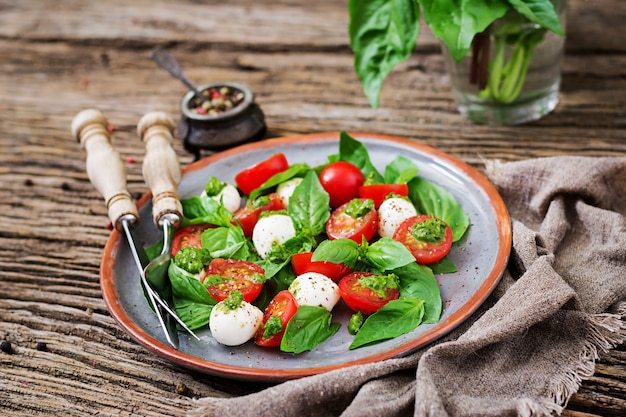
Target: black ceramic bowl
x,y
225,128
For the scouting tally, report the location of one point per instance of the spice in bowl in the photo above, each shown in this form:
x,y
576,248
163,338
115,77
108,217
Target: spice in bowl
x,y
216,100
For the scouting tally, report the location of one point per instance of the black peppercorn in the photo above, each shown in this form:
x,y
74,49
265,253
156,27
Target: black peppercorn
x,y
6,347
41,346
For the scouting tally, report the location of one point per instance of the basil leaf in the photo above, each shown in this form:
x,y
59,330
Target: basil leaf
x,y
309,206
192,302
395,318
382,34
226,242
310,326
203,209
444,266
387,254
294,170
339,251
430,198
418,281
541,12
353,151
400,171
456,22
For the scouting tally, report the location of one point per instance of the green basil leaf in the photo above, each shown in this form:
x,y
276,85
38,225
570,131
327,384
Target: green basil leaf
x,y
418,281
541,12
400,171
387,254
355,152
226,242
430,198
203,209
294,170
339,251
382,34
456,22
309,206
310,326
444,266
395,318
192,302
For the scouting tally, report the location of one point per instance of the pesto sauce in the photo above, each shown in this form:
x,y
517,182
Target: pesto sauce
x,y
432,230
358,208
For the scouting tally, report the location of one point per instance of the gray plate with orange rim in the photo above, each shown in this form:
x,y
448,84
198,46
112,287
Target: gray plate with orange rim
x,y
480,257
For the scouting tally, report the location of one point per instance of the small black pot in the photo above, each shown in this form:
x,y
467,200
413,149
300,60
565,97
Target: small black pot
x,y
244,122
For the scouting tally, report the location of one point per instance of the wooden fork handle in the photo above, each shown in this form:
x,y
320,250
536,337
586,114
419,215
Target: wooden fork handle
x,y
105,167
161,168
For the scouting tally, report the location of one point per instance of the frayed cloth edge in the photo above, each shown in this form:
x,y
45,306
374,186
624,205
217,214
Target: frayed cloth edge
x,y
606,332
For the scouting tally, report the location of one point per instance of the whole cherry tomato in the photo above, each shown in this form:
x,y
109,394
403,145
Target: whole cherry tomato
x,y
341,180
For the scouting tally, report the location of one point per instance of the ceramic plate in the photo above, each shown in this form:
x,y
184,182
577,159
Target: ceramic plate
x,y
480,258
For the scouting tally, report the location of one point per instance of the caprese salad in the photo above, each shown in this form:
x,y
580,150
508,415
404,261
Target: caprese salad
x,y
269,257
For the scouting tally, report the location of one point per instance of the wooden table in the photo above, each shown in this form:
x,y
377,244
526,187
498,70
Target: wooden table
x,y
69,357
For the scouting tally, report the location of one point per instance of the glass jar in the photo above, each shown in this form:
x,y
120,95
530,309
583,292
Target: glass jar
x,y
512,74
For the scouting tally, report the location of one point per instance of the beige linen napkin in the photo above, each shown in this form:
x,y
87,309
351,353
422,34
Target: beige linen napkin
x,y
526,350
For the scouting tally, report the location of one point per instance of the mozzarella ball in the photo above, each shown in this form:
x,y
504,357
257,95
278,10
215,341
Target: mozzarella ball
x,y
285,190
269,229
229,197
315,289
233,327
391,213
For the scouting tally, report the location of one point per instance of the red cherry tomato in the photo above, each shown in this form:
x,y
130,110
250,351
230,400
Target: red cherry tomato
x,y
248,215
301,263
364,299
343,225
378,192
341,180
283,306
242,274
189,236
428,238
252,178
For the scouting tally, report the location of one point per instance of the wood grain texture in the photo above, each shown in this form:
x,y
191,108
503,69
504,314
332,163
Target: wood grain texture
x,y
58,58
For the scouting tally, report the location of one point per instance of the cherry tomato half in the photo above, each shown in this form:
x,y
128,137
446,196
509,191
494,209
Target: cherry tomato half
x,y
378,192
341,180
253,177
428,238
248,215
283,306
301,263
364,299
242,274
343,225
189,236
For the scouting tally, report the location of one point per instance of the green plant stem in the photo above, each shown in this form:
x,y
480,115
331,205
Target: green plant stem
x,y
507,77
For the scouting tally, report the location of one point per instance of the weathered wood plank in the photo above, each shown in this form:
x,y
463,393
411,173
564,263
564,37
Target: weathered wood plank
x,y
57,58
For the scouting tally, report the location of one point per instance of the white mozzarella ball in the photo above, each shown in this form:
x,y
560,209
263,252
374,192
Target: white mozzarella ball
x,y
269,229
315,289
233,327
229,197
285,190
391,213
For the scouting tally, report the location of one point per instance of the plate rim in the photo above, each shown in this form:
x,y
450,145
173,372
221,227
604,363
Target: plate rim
x,y
504,232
